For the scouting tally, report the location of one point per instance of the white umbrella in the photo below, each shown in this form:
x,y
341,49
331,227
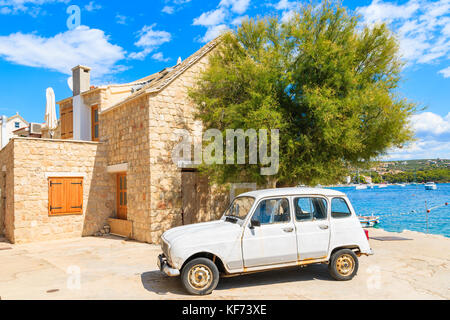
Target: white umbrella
x,y
50,112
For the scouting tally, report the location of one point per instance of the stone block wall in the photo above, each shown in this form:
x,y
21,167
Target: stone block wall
x,y
34,161
125,132
172,109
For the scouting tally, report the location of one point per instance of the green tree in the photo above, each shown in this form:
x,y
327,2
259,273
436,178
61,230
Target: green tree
x,y
325,82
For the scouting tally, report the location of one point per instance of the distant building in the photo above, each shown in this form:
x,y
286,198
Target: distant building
x,y
16,122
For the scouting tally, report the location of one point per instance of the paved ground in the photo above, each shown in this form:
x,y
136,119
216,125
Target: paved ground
x,y
111,268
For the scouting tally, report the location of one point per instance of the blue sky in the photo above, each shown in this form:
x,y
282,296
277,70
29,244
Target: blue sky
x,y
124,41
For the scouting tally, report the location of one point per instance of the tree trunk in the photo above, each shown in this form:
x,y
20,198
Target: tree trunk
x,y
272,182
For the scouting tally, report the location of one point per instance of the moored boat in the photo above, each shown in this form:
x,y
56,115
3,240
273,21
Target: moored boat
x,y
430,186
369,221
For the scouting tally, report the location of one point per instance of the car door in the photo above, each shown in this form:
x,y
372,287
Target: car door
x,y
274,241
312,226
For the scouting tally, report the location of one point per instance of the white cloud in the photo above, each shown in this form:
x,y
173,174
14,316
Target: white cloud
x,y
385,11
288,9
421,149
25,6
445,72
216,21
210,18
422,27
213,32
238,6
92,6
168,9
159,57
63,51
120,19
150,40
285,5
238,20
433,138
431,123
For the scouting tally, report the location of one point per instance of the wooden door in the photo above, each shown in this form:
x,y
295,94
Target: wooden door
x,y
194,195
188,196
122,196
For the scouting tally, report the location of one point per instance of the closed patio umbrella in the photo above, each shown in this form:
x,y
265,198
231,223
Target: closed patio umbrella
x,y
50,112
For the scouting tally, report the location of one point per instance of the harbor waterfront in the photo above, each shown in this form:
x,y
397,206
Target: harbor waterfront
x,y
403,207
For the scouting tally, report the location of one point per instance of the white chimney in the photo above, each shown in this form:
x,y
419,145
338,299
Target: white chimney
x,y
81,111
81,79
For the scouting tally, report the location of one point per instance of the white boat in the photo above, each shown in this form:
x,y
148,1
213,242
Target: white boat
x,y
382,185
401,184
370,186
361,187
430,186
368,221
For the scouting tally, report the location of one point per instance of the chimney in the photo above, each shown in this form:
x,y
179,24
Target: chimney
x,y
81,79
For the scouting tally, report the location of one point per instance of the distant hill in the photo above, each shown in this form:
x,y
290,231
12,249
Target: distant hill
x,y
415,165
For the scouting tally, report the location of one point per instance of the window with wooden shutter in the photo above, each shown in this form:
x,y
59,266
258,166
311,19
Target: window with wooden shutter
x,y
65,196
67,122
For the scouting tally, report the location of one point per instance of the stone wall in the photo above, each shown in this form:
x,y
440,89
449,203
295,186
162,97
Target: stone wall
x,y
125,132
172,109
34,161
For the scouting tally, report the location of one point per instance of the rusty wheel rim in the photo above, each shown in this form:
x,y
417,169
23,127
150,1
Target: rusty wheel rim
x,y
200,276
345,265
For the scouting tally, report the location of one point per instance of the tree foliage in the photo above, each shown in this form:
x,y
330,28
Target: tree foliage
x,y
327,83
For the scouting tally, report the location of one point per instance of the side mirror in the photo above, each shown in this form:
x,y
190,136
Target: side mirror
x,y
255,223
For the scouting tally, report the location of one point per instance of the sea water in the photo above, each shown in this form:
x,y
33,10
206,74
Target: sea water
x,y
403,208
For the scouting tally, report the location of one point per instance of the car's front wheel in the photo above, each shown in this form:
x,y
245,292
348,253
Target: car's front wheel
x,y
343,265
200,276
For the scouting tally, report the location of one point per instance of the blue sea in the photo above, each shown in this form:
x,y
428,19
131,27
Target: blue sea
x,y
403,208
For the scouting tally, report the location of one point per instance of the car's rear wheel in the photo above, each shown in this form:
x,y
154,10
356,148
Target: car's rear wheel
x,y
200,276
343,265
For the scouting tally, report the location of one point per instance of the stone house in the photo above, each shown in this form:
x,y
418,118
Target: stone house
x,y
112,164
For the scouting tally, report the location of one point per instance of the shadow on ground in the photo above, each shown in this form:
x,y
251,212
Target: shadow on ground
x,y
161,284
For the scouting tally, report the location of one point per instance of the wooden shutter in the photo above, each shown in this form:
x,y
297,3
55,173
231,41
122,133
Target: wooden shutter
x,y
67,122
65,196
56,201
75,195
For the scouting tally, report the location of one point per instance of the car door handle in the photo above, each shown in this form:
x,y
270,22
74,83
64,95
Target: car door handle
x,y
323,226
289,229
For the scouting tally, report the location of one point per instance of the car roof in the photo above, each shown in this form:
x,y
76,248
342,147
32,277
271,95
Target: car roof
x,y
292,192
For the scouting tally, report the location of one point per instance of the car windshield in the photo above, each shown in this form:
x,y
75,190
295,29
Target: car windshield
x,y
240,207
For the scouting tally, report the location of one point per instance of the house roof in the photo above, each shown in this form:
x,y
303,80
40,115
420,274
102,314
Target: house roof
x,y
158,81
17,115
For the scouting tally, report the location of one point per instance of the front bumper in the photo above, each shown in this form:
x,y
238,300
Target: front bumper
x,y
368,253
164,267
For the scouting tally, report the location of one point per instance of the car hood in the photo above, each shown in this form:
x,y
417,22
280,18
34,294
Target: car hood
x,y
204,232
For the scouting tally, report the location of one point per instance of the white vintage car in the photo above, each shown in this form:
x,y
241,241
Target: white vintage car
x,y
267,229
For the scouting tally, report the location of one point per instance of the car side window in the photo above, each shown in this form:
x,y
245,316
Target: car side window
x,y
339,208
310,208
272,211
